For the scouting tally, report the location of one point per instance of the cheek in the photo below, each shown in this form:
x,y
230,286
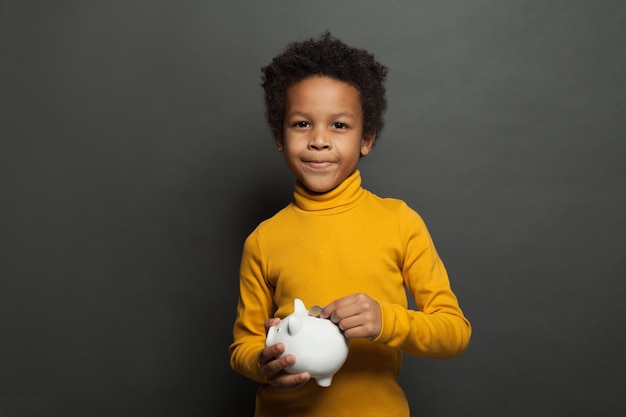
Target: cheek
x,y
294,146
355,149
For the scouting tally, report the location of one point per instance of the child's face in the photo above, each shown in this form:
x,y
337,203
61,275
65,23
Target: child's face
x,y
323,132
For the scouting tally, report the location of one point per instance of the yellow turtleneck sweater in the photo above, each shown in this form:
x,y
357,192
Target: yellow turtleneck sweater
x,y
326,246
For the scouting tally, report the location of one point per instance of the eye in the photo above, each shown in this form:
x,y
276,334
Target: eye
x,y
301,124
339,125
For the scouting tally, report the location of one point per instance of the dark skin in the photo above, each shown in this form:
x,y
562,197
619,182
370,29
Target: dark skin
x,y
357,315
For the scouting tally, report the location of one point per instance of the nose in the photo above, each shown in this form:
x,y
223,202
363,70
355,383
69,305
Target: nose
x,y
319,140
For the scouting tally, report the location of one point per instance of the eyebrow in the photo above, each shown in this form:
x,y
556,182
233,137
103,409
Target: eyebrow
x,y
335,115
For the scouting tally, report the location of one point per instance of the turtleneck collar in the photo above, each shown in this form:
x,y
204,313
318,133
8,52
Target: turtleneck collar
x,y
343,197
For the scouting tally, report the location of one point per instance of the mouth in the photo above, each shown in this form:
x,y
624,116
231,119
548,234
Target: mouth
x,y
317,164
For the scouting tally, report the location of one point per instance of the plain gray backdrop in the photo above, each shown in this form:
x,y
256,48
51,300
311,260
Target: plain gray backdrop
x,y
135,159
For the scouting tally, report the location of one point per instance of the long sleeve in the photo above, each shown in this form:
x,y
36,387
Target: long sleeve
x,y
255,305
439,328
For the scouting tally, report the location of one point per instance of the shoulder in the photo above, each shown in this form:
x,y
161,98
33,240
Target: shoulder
x,y
276,221
398,214
393,205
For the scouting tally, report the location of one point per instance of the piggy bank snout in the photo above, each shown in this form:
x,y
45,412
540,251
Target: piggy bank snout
x,y
271,335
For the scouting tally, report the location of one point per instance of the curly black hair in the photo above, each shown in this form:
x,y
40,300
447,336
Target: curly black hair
x,y
330,57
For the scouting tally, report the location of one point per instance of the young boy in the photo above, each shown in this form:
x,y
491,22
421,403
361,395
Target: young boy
x,y
339,246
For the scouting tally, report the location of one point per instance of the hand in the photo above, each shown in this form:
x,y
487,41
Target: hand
x,y
357,315
273,366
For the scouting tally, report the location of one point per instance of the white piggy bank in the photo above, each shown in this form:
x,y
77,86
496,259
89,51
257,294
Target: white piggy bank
x,y
318,345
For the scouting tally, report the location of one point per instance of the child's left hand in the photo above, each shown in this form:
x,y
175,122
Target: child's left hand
x,y
357,315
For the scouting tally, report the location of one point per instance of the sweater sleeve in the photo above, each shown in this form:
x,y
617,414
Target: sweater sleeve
x,y
438,328
254,307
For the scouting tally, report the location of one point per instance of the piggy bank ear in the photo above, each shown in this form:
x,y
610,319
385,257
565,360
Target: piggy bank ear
x,y
298,305
294,324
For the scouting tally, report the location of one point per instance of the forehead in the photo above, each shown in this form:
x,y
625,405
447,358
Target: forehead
x,y
323,93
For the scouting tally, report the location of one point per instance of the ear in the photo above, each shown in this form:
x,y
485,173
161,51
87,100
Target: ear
x,y
294,324
280,143
298,306
367,143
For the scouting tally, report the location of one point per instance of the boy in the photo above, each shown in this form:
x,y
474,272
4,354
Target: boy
x,y
339,246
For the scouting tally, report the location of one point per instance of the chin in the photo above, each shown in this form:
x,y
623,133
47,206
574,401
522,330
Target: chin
x,y
319,188
320,183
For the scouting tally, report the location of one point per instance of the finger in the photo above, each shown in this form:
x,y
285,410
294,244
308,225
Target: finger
x,y
331,308
347,311
354,332
278,365
349,323
271,352
271,322
288,382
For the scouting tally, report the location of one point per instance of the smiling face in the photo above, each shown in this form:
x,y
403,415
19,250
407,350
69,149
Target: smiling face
x,y
323,132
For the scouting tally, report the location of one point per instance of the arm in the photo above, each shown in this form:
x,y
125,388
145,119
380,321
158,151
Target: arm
x,y
248,354
439,329
253,308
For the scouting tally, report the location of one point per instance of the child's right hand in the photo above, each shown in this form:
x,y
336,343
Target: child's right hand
x,y
273,366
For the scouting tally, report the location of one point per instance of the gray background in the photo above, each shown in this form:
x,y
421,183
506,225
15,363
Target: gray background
x,y
135,159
